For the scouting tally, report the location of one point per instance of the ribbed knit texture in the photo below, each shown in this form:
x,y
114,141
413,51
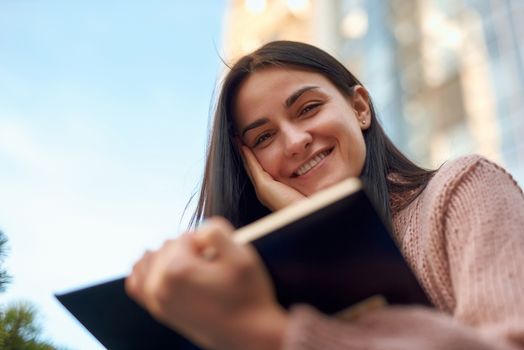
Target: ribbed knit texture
x,y
464,238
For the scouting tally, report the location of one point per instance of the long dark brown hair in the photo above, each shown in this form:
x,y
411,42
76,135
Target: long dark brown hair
x,y
226,189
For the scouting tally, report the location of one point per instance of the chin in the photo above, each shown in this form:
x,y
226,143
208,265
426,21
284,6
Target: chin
x,y
322,185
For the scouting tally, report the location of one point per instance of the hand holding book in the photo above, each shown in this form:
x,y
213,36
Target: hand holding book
x,y
331,251
225,301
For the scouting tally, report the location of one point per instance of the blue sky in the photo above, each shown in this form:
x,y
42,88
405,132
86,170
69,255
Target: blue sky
x,y
104,114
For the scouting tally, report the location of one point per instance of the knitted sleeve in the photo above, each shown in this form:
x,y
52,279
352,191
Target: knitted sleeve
x,y
481,229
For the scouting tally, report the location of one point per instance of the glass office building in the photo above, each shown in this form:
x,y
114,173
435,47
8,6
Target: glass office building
x,y
447,76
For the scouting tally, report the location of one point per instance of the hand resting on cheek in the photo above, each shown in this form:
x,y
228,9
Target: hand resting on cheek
x,y
273,194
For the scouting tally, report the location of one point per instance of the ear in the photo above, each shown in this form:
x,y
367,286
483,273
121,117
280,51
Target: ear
x,y
360,104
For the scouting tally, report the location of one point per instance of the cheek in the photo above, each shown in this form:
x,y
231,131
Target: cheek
x,y
270,161
355,153
335,123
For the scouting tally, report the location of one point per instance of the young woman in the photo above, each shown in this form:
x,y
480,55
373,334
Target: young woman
x,y
290,121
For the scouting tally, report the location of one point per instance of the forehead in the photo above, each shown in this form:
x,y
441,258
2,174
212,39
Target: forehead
x,y
278,82
268,88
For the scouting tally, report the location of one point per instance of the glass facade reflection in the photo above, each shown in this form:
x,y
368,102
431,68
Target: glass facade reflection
x,y
447,76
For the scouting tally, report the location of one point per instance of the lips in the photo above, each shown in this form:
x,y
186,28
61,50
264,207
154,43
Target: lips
x,y
313,162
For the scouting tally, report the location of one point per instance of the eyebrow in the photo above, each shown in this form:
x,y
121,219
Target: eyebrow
x,y
296,95
255,124
288,103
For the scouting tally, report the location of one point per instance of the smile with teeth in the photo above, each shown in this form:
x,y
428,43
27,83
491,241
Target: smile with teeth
x,y
312,163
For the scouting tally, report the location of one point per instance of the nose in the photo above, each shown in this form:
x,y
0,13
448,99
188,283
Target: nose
x,y
296,140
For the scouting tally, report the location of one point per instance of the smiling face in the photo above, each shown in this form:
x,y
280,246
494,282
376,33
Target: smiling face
x,y
303,131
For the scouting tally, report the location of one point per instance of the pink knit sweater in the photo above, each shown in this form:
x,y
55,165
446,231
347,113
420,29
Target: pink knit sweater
x,y
464,238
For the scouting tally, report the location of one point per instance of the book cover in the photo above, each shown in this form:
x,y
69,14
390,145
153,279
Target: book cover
x,y
331,251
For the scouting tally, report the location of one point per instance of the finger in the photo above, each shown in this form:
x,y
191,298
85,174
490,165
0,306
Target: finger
x,y
240,148
245,161
251,164
258,173
213,238
173,263
134,282
175,254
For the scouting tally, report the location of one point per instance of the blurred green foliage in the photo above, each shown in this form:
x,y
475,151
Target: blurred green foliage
x,y
19,329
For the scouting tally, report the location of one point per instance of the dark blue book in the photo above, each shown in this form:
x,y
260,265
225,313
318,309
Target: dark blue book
x,y
331,251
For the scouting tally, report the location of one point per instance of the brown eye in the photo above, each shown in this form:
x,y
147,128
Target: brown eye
x,y
309,107
263,137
